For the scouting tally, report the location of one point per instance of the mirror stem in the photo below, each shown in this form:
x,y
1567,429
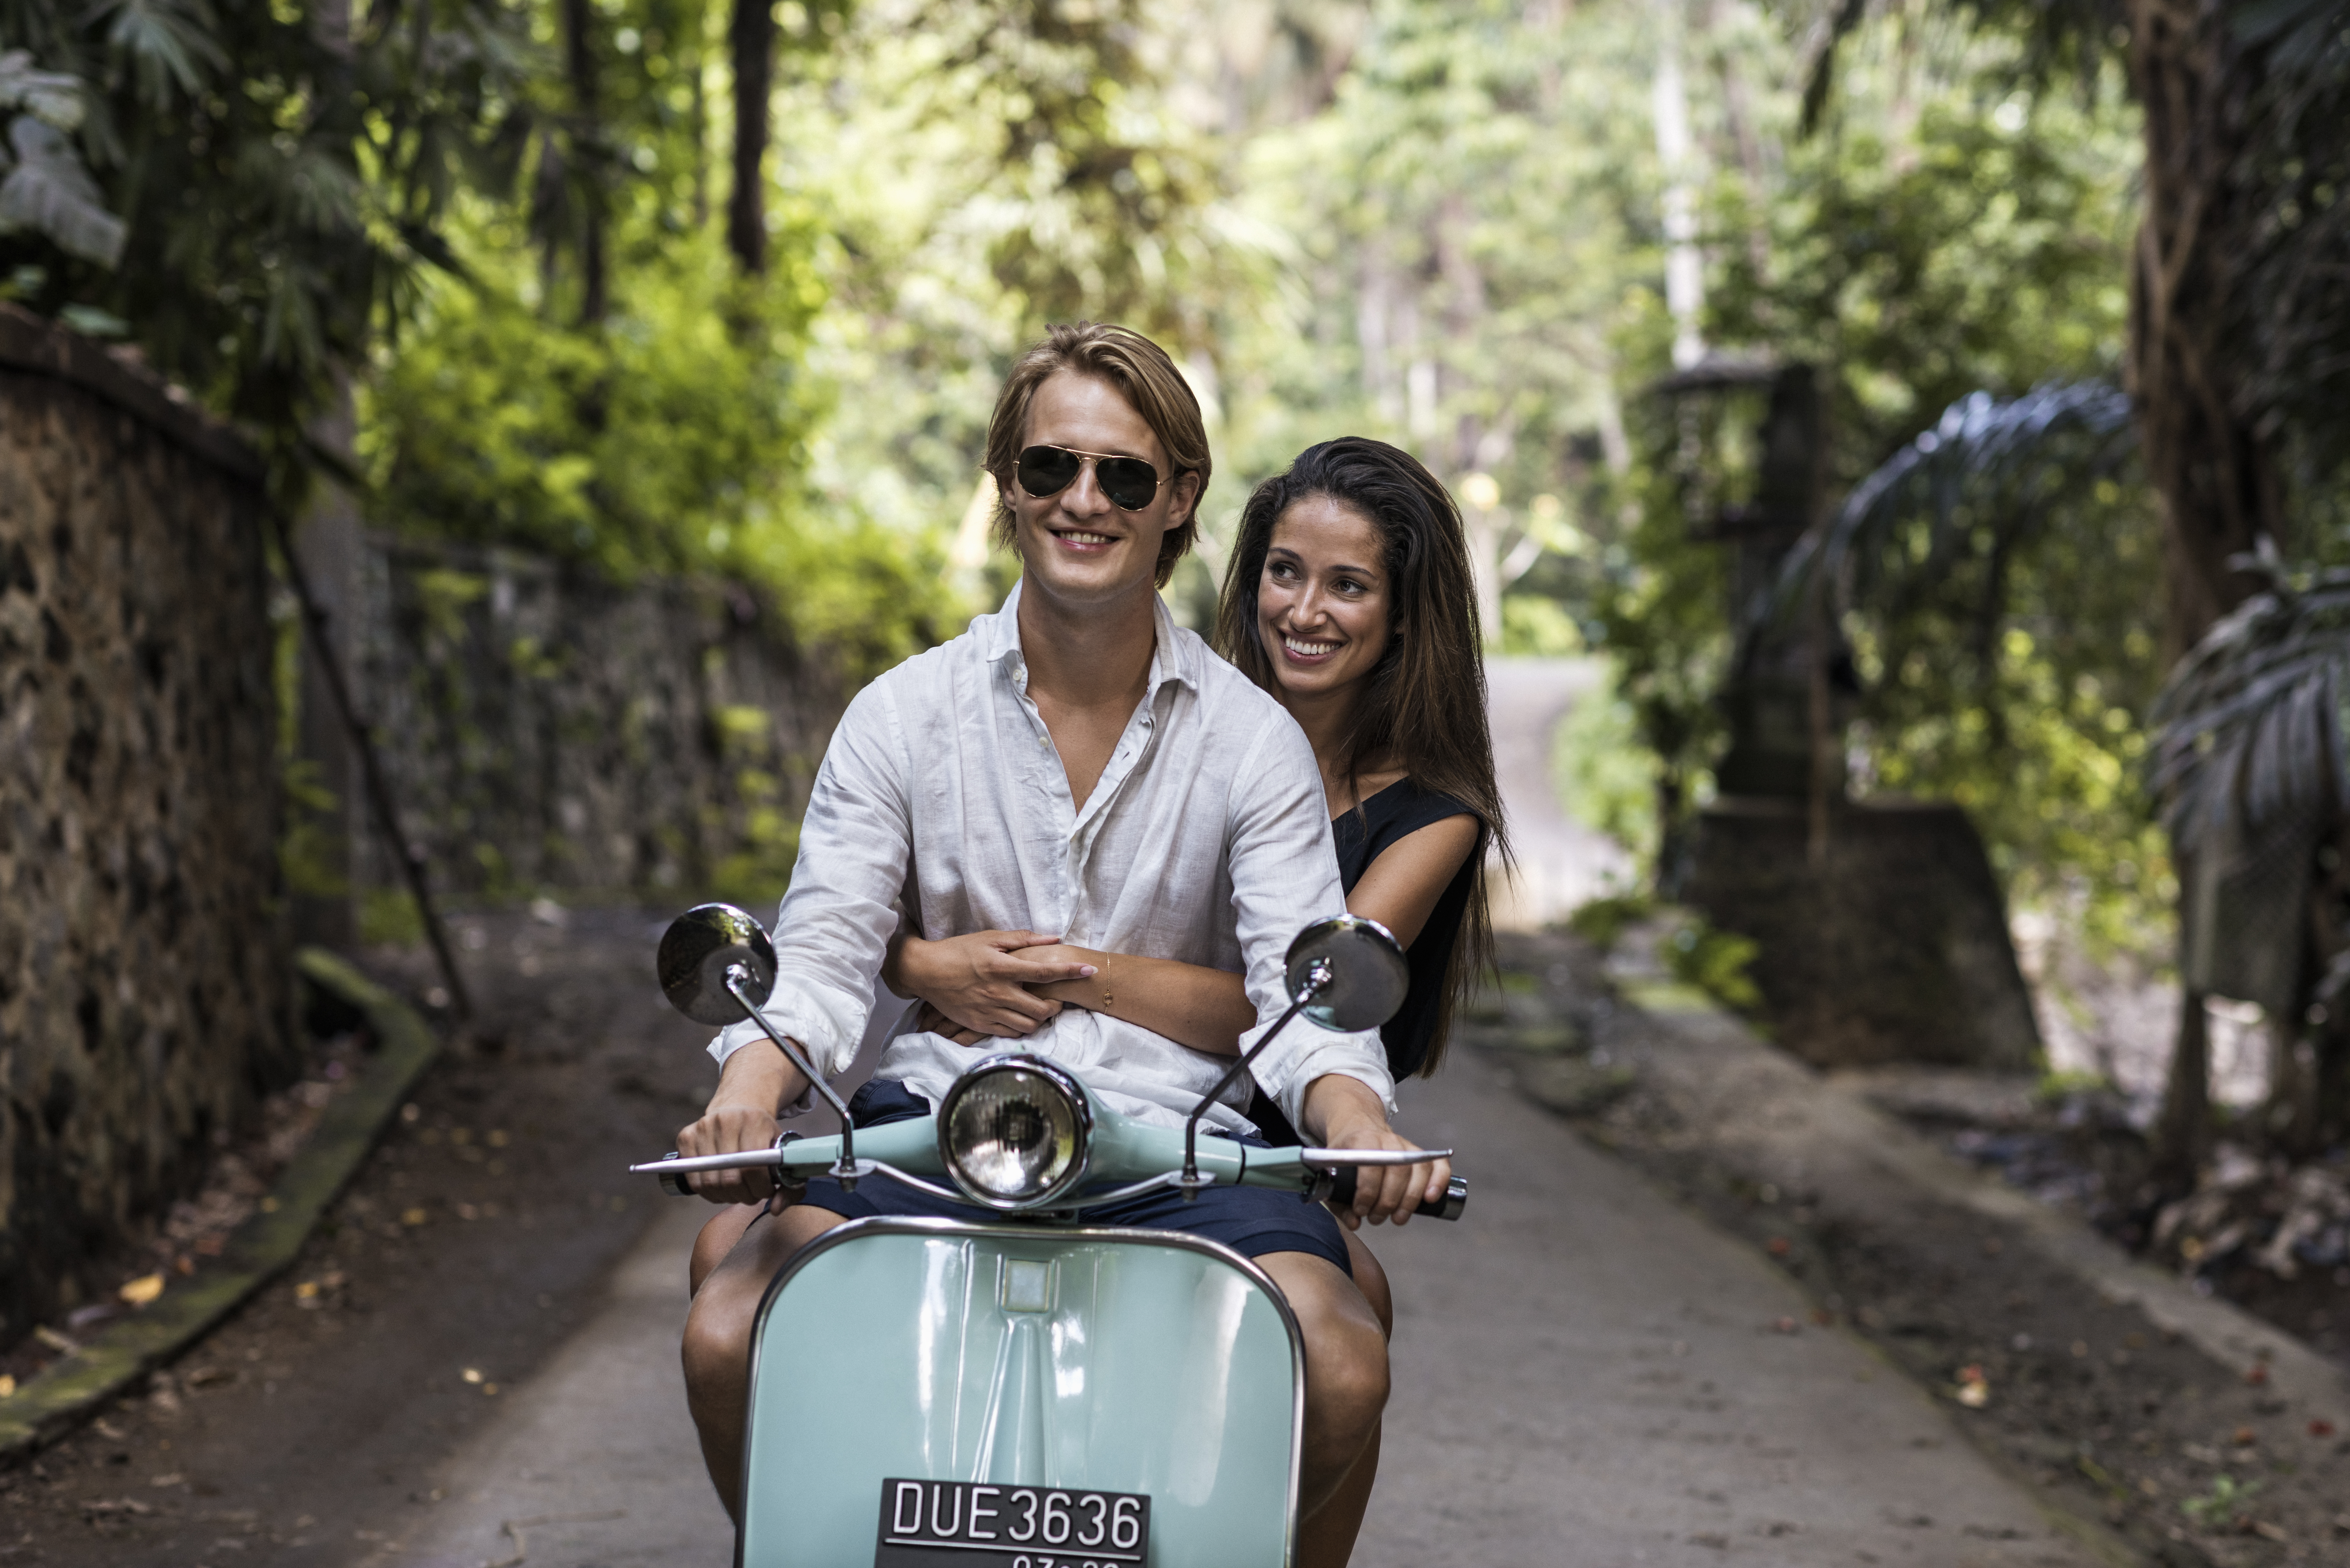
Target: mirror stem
x,y
846,1171
1316,979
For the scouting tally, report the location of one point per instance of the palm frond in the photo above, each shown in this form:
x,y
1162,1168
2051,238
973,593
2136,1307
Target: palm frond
x,y
169,44
2251,727
50,192
1983,481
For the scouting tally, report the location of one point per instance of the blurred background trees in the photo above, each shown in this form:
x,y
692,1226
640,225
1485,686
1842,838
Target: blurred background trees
x,y
722,285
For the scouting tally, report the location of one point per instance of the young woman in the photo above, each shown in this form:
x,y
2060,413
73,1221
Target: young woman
x,y
1349,598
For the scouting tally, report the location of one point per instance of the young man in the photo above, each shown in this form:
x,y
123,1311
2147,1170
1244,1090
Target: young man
x,y
1074,764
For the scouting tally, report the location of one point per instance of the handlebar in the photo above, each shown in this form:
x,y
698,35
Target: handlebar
x,y
1455,1198
1336,1183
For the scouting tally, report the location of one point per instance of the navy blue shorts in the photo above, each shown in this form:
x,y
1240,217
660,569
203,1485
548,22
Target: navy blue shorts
x,y
1250,1221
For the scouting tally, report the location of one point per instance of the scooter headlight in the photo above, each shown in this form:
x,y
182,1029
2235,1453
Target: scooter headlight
x,y
1013,1132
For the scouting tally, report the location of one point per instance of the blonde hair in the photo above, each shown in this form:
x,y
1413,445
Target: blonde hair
x,y
1148,380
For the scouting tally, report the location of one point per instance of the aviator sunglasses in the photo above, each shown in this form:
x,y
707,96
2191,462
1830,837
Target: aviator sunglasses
x,y
1128,481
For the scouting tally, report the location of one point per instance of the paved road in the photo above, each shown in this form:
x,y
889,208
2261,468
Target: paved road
x,y
1561,862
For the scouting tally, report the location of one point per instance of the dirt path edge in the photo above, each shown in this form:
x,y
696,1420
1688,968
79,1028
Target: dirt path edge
x,y
75,1388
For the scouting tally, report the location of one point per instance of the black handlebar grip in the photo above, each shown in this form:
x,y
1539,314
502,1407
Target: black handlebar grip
x,y
1456,1195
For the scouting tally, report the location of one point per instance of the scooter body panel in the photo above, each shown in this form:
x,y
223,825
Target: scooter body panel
x,y
1084,1359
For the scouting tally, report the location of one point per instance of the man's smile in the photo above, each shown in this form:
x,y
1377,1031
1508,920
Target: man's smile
x,y
1081,538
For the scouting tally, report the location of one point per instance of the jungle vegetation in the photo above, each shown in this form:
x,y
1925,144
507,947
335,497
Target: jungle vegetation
x,y
727,285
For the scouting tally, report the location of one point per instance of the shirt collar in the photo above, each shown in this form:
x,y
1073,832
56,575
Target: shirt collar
x,y
1173,657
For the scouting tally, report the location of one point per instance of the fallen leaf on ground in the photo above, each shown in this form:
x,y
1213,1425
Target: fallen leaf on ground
x,y
205,1376
7,1385
413,1216
2265,1530
113,1506
1975,1388
1778,1246
2321,1428
2258,1374
2246,1437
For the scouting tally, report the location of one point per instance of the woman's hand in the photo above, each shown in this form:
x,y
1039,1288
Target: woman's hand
x,y
1343,1113
980,982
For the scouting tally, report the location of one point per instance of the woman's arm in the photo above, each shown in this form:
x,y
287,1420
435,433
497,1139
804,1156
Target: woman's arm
x,y
1206,1009
1400,889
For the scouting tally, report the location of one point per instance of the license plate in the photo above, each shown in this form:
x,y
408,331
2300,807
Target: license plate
x,y
974,1524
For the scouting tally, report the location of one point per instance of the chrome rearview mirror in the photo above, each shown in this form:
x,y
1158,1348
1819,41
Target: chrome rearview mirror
x,y
705,947
1344,973
1347,973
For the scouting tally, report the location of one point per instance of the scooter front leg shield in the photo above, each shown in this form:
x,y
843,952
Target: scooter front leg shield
x,y
1024,1360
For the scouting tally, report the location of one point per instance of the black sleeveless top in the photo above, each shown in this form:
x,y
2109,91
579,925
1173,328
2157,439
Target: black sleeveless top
x,y
1397,811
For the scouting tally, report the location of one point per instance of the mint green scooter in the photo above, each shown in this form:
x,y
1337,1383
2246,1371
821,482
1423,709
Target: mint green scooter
x,y
1032,1393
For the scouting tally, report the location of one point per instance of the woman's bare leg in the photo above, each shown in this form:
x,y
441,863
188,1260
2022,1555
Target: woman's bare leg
x,y
1331,1540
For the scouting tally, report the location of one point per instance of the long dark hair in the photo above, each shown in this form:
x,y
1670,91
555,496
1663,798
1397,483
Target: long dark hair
x,y
1422,706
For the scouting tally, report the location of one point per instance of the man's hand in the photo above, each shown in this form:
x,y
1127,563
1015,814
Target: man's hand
x,y
979,981
1343,1113
757,1081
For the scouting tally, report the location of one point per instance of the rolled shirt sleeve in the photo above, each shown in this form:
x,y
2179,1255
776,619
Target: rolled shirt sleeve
x,y
836,920
1285,877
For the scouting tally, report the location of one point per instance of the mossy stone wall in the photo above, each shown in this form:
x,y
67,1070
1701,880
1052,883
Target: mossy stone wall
x,y
145,995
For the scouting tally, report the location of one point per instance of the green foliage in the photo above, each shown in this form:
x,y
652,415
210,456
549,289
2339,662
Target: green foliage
x,y
280,187
388,917
2217,1508
1603,921
1605,777
1715,962
1534,625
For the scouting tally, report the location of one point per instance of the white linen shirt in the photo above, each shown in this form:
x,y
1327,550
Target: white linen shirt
x,y
1206,840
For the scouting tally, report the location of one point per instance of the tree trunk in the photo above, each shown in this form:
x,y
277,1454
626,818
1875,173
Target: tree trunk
x,y
753,37
2182,1134
2212,473
580,63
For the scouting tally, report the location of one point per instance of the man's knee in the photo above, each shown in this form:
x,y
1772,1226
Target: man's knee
x,y
717,1342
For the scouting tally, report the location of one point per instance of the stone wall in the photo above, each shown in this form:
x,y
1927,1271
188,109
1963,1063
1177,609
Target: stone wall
x,y
145,998
544,730
1895,950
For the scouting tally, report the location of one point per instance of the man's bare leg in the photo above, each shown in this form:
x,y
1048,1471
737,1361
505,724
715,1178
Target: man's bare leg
x,y
717,1350
717,1240
1345,1390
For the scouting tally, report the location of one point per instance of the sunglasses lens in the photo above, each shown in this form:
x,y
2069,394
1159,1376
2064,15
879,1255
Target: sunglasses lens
x,y
1047,470
1128,481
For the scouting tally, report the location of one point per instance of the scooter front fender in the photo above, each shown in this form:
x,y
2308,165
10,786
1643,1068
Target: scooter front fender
x,y
1080,1358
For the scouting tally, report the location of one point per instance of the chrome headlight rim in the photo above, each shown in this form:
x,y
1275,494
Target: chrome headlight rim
x,y
1081,1110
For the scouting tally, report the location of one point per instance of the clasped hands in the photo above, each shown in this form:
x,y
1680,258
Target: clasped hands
x,y
988,984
